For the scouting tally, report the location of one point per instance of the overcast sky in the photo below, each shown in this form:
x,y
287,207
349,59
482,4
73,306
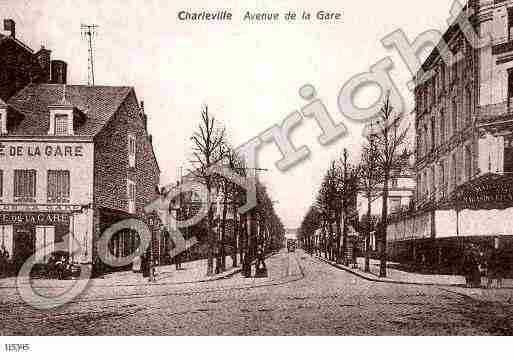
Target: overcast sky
x,y
248,73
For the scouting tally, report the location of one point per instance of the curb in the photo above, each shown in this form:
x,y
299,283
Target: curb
x,y
373,278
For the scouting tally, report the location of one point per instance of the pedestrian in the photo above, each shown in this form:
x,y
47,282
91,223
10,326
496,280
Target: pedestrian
x,y
260,269
495,270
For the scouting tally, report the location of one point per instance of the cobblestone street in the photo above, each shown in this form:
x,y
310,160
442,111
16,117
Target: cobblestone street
x,y
302,296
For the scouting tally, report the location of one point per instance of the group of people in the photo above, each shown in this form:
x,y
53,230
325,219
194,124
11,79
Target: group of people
x,y
5,262
489,264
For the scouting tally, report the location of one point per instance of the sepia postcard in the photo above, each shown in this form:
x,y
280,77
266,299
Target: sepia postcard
x,y
261,168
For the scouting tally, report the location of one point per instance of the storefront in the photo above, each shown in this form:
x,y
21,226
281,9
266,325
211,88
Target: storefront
x,y
24,232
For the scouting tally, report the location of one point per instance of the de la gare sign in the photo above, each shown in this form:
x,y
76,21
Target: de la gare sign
x,y
36,150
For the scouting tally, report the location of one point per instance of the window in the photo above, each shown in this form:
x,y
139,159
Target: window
x,y
395,204
510,24
441,177
469,106
6,239
45,239
3,121
419,144
131,150
433,183
61,125
454,115
468,162
455,70
442,127
454,171
1,183
510,89
426,139
58,189
442,73
24,185
433,134
395,183
131,189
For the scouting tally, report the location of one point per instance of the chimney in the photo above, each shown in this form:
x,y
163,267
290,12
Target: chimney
x,y
43,58
10,25
58,72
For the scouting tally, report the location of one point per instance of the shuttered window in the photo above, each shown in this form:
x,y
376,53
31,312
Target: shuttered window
x,y
58,186
24,185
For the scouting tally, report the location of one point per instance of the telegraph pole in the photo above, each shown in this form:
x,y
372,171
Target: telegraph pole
x,y
88,32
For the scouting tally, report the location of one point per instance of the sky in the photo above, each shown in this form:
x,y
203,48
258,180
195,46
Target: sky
x,y
249,74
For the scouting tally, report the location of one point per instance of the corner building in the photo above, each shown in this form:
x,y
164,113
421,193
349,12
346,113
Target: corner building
x,y
464,145
73,159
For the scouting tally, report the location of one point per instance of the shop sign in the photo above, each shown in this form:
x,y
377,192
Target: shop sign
x,y
34,218
39,207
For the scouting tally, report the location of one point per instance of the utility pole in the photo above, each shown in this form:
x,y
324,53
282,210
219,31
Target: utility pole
x,y
88,32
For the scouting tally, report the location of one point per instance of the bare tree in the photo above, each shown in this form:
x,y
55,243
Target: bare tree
x,y
208,149
391,155
369,177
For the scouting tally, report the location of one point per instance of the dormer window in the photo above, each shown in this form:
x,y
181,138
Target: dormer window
x,y
61,125
61,121
61,117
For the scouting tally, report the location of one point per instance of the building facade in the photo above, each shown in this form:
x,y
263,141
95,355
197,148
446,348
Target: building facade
x,y
74,160
464,142
20,65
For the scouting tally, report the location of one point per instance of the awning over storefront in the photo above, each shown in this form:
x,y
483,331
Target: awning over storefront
x,y
490,191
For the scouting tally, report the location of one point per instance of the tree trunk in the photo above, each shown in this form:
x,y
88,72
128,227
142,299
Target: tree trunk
x,y
235,236
368,235
222,251
210,243
344,236
384,221
339,255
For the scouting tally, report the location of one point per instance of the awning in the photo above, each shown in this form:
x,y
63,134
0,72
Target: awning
x,y
489,191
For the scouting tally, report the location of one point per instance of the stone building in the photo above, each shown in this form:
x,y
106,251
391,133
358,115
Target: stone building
x,y
74,160
20,65
464,143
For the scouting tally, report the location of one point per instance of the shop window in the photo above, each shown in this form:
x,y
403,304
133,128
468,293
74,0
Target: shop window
x,y
6,239
24,185
131,188
58,190
45,240
131,150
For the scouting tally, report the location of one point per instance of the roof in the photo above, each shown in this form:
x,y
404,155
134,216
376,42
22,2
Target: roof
x,y
97,104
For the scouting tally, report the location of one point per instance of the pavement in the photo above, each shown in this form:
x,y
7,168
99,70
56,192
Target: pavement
x,y
303,295
402,277
191,272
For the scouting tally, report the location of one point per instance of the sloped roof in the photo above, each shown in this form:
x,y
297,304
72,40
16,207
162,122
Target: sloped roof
x,y
97,104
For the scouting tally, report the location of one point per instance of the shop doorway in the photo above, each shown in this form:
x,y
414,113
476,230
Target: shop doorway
x,y
24,246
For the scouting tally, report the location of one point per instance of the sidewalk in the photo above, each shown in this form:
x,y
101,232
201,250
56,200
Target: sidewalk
x,y
191,272
401,277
